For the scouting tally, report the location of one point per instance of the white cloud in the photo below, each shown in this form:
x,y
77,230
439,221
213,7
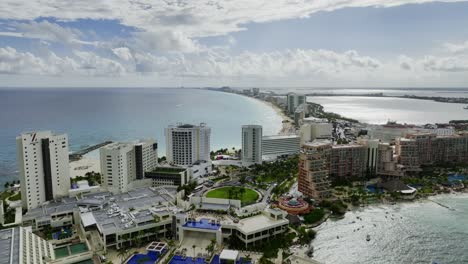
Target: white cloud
x,y
457,47
192,18
123,53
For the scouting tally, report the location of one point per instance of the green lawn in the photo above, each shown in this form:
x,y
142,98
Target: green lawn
x,y
249,196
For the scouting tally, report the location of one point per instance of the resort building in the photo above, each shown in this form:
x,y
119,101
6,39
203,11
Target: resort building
x,y
124,163
315,129
251,145
314,169
372,151
174,176
387,164
43,167
280,145
112,220
20,246
187,144
418,149
293,101
347,162
301,112
252,230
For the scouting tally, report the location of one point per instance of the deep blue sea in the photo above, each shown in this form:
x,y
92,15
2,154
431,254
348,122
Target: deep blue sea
x,y
94,115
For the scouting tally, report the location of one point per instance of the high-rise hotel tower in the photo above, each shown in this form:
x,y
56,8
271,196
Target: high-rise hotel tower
x,y
43,167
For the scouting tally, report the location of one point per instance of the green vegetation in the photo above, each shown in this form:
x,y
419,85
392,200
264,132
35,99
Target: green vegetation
x,y
314,216
246,195
269,247
337,207
277,171
15,197
306,235
188,189
284,186
93,178
225,151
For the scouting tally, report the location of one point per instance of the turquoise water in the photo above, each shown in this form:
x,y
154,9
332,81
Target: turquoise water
x,y
418,232
90,116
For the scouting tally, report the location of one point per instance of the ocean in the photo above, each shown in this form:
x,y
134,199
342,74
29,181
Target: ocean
x,y
90,116
413,232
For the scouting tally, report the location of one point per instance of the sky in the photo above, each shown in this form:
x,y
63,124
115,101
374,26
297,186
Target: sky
x,y
262,43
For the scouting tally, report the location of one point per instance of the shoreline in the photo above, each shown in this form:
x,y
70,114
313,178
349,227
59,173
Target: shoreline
x,y
287,127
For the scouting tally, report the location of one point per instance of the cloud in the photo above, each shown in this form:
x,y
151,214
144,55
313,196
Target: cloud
x,y
123,53
164,41
46,31
456,47
446,64
191,18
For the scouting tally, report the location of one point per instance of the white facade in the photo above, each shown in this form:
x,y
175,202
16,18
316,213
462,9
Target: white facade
x,y
123,163
310,131
294,100
251,145
280,145
187,144
372,151
43,167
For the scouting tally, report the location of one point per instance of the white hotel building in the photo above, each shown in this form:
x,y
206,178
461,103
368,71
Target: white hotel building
x,y
43,167
124,163
251,145
274,146
187,144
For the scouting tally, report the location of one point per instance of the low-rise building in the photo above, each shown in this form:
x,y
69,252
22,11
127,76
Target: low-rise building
x,y
175,176
280,145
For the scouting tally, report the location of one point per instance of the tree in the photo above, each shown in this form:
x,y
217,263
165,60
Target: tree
x,y
211,247
6,184
193,247
122,253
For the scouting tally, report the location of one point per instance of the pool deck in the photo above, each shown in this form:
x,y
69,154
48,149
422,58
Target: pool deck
x,y
203,224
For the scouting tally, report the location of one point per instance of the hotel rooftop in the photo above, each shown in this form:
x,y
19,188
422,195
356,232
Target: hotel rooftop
x,y
111,212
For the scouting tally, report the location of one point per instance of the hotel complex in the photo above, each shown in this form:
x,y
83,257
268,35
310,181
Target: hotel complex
x,y
43,167
139,199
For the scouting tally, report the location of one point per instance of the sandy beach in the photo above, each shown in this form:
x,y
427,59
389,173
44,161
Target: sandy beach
x,y
287,123
88,163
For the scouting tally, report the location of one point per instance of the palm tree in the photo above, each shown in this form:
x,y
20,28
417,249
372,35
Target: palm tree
x,y
194,246
122,253
211,247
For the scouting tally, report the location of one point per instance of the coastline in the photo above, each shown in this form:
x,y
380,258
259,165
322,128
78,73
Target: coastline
x,y
287,125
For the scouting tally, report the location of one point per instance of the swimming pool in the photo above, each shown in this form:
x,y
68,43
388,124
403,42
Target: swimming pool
x,y
203,224
188,260
78,248
68,250
148,258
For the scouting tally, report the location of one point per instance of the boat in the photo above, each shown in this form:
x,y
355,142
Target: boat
x,y
368,238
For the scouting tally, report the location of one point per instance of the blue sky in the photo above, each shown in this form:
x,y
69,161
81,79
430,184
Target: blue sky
x,y
236,43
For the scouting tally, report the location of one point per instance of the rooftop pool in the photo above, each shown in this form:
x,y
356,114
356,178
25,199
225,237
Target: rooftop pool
x,y
203,224
68,250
